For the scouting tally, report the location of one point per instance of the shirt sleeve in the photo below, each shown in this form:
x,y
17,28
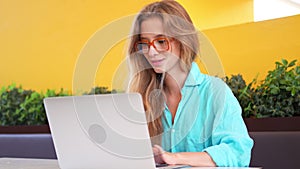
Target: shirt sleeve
x,y
231,144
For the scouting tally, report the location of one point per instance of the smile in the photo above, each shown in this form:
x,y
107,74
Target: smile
x,y
157,62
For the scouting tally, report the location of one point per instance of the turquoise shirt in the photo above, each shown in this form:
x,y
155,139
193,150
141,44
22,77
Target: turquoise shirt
x,y
208,118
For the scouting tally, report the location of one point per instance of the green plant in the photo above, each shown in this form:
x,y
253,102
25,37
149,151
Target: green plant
x,y
242,92
24,107
278,95
11,99
99,90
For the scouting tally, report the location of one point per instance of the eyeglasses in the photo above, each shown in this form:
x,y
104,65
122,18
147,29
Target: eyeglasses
x,y
159,44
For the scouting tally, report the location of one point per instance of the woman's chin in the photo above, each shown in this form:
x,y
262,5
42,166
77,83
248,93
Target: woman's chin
x,y
158,70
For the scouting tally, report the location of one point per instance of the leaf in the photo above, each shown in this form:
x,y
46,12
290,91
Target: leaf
x,y
278,63
3,89
293,92
275,91
297,70
289,89
292,63
284,61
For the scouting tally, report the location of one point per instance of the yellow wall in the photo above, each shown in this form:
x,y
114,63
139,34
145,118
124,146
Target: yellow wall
x,y
208,14
41,40
253,48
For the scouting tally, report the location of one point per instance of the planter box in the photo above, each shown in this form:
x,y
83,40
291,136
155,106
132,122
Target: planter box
x,y
273,124
27,145
24,129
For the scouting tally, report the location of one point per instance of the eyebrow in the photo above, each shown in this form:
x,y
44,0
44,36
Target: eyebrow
x,y
156,36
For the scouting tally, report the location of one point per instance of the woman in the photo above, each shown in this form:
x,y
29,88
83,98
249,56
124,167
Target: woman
x,y
194,117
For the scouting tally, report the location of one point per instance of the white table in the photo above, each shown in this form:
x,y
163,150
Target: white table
x,y
26,163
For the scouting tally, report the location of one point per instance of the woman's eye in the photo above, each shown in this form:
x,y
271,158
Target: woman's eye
x,y
162,41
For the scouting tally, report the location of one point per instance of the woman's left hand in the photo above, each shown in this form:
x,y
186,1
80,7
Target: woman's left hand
x,y
162,156
183,158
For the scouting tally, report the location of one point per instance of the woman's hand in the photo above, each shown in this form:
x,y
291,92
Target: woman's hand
x,y
183,158
161,156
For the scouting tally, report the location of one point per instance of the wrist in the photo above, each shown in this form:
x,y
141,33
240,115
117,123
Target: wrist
x,y
194,159
180,158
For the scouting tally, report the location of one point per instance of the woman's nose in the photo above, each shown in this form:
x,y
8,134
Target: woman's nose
x,y
152,51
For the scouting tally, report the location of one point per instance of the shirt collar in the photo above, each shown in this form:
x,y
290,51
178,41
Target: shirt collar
x,y
195,77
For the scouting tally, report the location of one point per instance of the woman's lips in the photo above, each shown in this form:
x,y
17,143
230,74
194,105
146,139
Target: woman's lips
x,y
157,62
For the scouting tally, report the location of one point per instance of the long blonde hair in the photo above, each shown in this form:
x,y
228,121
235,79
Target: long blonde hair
x,y
144,80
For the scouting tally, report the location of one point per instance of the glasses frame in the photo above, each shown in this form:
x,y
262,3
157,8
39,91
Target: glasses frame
x,y
152,44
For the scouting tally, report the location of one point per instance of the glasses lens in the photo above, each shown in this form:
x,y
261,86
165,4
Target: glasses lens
x,y
142,47
161,44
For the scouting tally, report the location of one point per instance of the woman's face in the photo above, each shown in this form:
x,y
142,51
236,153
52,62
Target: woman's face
x,y
162,56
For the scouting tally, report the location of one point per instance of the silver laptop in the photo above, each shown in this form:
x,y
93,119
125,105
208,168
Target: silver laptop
x,y
100,131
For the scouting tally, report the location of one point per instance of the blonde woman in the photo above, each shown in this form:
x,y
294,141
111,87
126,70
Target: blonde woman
x,y
193,119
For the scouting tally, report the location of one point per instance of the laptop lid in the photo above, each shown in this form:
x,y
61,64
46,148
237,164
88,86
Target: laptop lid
x,y
100,131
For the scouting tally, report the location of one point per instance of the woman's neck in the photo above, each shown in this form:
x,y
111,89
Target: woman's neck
x,y
174,81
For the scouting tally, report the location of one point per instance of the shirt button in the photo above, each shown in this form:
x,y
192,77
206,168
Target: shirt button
x,y
173,130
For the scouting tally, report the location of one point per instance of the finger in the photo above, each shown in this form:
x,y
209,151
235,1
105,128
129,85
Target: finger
x,y
159,148
155,150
